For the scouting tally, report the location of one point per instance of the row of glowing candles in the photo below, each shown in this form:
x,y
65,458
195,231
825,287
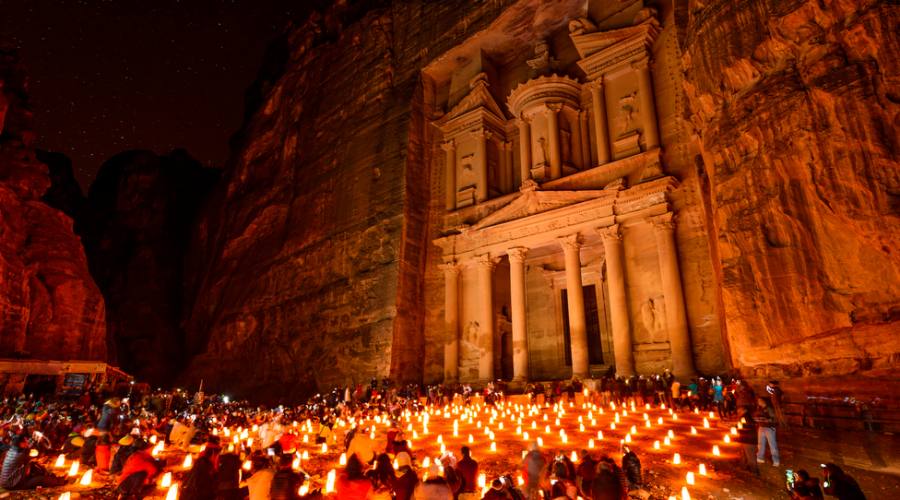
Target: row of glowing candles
x,y
241,437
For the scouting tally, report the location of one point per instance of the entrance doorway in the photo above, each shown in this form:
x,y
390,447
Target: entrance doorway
x,y
592,325
506,356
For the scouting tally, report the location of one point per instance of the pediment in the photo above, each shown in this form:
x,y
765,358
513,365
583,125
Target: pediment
x,y
533,202
478,97
643,34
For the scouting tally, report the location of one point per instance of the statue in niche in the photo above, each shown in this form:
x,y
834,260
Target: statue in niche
x,y
652,315
542,63
546,156
627,112
471,333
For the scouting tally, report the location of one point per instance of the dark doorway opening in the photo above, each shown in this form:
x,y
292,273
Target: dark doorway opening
x,y
506,356
592,325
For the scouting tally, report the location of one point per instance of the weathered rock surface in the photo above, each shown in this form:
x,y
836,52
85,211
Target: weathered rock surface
x,y
136,226
50,307
797,108
64,192
309,262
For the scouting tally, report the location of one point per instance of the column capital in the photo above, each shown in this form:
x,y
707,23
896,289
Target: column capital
x,y
481,132
595,85
517,254
571,243
485,260
610,233
664,222
450,268
552,107
449,145
523,120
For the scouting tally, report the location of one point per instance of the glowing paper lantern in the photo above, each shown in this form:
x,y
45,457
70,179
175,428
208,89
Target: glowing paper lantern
x,y
684,493
716,450
329,481
689,478
343,459
65,496
656,445
166,480
701,469
87,478
73,469
172,494
676,459
60,461
188,461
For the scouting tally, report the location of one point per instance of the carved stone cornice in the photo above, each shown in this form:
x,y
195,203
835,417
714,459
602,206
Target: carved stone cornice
x,y
517,254
664,222
552,107
571,242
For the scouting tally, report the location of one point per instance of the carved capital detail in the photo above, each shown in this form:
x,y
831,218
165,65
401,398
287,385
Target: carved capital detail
x,y
517,254
552,107
571,243
451,269
523,120
485,260
664,222
481,133
610,234
449,145
595,85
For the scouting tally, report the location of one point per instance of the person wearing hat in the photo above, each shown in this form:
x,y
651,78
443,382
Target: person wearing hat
x,y
127,445
434,487
406,481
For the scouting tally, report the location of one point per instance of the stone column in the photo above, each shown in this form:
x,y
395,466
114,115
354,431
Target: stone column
x,y
585,142
517,302
481,137
509,169
449,147
451,321
648,107
577,329
577,158
618,302
676,318
601,127
551,112
524,149
485,265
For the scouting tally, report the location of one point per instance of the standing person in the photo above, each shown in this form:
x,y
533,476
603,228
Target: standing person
x,y
608,484
777,396
585,473
719,397
765,432
382,477
840,484
675,390
468,472
532,471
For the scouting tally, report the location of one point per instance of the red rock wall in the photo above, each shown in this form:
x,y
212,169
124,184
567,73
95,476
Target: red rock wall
x,y
796,105
50,307
313,244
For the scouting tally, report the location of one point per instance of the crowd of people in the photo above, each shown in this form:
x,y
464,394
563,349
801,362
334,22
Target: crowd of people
x,y
115,436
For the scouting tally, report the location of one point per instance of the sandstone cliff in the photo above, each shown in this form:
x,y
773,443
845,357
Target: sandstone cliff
x,y
50,307
136,226
796,105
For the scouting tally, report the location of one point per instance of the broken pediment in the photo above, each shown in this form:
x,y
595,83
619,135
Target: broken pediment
x,y
533,201
478,97
604,49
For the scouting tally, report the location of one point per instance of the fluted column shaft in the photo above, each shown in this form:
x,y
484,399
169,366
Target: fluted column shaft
x,y
648,106
451,321
551,112
485,265
676,318
618,303
517,303
601,127
524,149
450,149
575,296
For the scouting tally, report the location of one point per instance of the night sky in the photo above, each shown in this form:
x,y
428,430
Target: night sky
x,y
107,76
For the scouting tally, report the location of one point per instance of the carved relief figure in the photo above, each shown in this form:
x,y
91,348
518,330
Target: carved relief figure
x,y
627,113
471,332
545,156
652,315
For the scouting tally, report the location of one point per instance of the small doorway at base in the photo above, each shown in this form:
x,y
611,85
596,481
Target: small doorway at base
x,y
506,356
592,325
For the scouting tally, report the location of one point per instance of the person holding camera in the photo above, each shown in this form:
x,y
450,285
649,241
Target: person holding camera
x,y
803,487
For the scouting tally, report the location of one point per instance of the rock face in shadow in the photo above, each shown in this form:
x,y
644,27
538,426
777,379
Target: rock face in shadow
x,y
310,259
797,108
140,212
50,307
64,192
